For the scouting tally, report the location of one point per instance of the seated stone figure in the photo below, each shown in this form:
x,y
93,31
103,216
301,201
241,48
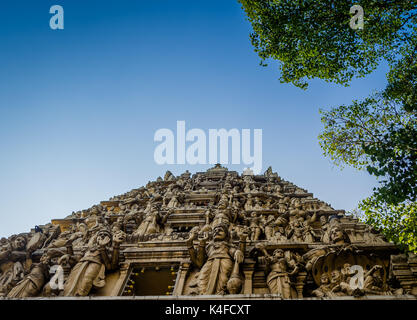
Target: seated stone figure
x,y
325,287
152,223
341,286
374,283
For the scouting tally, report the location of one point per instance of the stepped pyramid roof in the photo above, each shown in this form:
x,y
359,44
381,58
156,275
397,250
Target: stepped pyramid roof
x,y
207,233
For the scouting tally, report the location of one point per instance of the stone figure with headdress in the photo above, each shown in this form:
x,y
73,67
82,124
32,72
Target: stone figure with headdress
x,y
90,270
281,267
217,260
151,223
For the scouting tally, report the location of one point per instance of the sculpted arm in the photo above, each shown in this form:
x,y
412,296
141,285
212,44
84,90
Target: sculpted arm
x,y
313,218
237,255
105,258
115,257
201,253
70,248
198,257
265,258
103,242
118,238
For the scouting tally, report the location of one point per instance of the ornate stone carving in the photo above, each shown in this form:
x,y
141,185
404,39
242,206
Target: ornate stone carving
x,y
282,269
225,233
217,259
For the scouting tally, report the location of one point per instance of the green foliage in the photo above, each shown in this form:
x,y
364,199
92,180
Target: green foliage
x,y
397,223
402,78
380,132
313,39
378,135
348,128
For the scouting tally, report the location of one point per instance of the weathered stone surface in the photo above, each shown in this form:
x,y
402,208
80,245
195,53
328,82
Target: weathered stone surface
x,y
203,235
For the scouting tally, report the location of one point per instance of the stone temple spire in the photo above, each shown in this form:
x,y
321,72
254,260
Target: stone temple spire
x,y
207,233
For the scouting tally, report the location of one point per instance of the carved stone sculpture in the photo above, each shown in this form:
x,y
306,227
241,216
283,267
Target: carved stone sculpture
x,y
90,270
33,283
217,267
192,230
281,270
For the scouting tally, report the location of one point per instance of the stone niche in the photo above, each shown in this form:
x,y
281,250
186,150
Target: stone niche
x,y
151,281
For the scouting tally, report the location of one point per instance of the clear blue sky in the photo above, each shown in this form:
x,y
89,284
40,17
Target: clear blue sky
x,y
79,106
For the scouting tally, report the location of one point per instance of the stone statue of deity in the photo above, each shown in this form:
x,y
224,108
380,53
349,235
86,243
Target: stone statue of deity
x,y
281,269
216,260
90,270
33,283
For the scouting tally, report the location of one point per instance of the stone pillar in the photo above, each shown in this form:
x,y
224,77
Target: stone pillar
x,y
182,276
299,285
248,270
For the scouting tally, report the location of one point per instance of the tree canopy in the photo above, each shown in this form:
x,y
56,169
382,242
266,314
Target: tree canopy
x,y
313,39
378,135
397,223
